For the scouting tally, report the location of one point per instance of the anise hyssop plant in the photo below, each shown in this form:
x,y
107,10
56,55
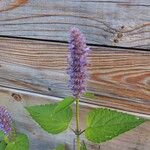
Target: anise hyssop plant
x,y
9,138
102,124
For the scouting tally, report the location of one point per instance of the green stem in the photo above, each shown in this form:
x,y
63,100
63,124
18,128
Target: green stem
x,y
77,124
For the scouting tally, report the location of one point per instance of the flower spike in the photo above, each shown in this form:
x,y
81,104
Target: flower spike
x,y
77,59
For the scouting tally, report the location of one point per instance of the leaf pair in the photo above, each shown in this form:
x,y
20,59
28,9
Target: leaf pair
x,y
102,124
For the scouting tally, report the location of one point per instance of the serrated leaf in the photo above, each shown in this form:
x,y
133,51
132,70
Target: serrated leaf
x,y
60,147
105,124
83,146
53,123
89,95
3,145
21,142
64,104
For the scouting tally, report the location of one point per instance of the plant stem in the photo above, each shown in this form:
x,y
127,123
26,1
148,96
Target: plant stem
x,y
77,124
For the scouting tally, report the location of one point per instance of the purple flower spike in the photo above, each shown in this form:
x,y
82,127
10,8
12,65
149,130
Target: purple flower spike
x,y
5,121
77,60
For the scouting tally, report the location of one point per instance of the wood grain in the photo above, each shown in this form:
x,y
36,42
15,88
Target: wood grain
x,y
136,139
116,23
119,78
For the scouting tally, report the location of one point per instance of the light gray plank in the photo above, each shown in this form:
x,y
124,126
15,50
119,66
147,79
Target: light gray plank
x,y
136,139
115,23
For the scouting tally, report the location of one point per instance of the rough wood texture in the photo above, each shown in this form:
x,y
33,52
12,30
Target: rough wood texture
x,y
120,23
119,78
136,139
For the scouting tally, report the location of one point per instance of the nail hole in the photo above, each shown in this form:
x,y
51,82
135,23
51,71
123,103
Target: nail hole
x,y
122,27
17,97
49,89
116,40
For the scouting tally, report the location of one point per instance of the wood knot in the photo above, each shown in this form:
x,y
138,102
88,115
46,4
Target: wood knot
x,y
119,35
122,27
49,89
116,40
16,97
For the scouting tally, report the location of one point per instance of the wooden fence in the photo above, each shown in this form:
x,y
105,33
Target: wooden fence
x,y
33,50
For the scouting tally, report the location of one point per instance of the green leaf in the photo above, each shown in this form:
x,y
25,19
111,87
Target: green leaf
x,y
21,142
60,147
3,145
83,146
11,137
51,122
1,135
64,104
89,95
105,124
6,139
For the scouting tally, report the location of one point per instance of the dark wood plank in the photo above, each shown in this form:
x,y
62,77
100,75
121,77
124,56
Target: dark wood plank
x,y
136,139
120,23
119,78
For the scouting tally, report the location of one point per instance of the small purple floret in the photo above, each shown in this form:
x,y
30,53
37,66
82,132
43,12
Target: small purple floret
x,y
5,121
77,60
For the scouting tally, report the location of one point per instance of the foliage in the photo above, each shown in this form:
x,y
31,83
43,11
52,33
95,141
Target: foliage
x,y
105,124
102,124
3,145
1,135
89,95
21,141
83,146
49,118
64,104
60,147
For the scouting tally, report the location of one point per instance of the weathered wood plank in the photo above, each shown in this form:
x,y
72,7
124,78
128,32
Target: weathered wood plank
x,y
138,138
120,23
119,78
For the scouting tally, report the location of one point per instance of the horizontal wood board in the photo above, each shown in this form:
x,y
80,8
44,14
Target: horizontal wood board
x,y
136,139
123,23
119,78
